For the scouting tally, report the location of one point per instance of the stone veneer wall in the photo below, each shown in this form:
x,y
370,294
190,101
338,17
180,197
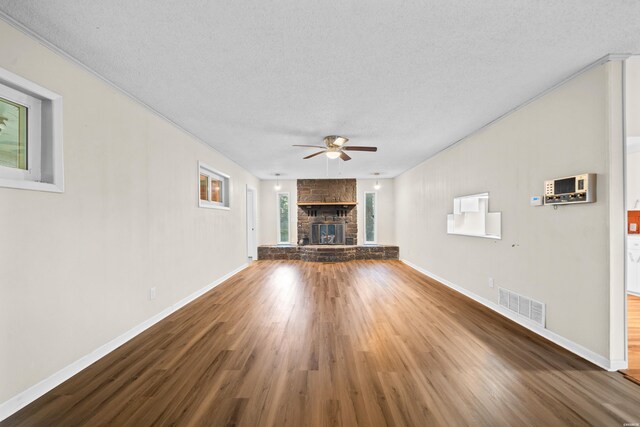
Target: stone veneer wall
x,y
328,190
328,253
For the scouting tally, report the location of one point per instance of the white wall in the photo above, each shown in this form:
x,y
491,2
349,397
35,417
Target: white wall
x,y
76,267
385,198
269,211
560,257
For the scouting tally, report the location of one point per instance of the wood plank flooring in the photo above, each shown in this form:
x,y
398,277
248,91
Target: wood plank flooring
x,y
633,337
368,343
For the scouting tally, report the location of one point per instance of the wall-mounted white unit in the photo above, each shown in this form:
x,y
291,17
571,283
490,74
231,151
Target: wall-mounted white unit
x,y
471,217
570,190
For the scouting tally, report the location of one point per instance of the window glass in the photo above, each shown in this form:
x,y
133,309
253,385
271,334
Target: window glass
x,y
370,212
216,190
283,208
13,134
204,186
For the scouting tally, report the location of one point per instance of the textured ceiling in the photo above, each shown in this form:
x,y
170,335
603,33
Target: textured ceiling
x,y
251,78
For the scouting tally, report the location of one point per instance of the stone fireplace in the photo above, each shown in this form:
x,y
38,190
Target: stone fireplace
x,y
327,226
327,212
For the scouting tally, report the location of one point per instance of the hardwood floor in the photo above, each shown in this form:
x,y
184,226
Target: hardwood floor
x,y
633,324
368,343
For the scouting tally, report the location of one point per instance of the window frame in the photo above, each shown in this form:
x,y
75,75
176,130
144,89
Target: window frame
x,y
279,229
375,218
34,139
210,172
45,168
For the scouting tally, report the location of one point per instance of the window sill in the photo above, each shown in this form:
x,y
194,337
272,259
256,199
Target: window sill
x,y
212,206
31,185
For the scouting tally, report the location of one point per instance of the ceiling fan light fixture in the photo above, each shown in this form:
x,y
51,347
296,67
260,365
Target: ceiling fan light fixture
x,y
339,141
333,154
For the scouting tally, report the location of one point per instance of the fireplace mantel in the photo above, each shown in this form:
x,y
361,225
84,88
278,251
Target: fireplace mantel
x,y
327,203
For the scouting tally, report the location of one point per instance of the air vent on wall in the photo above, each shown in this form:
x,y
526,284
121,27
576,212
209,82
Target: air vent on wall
x,y
523,306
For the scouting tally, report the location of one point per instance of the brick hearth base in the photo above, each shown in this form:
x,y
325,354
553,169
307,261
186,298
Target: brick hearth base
x,y
327,253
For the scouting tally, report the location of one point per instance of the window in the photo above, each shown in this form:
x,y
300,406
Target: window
x,y
283,218
214,188
30,135
370,227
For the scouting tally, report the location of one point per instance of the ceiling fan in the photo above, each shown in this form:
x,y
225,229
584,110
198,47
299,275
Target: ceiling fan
x,y
335,146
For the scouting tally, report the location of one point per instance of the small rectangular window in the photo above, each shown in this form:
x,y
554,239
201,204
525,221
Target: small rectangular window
x,y
30,135
283,218
213,188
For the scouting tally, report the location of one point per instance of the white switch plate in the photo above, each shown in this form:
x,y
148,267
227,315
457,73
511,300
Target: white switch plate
x,y
491,282
153,293
535,201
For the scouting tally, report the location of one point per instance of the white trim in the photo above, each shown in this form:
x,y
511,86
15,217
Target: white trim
x,y
617,211
278,194
252,251
375,218
626,147
21,400
577,349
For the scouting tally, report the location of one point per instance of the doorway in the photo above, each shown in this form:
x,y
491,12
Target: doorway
x,y
252,247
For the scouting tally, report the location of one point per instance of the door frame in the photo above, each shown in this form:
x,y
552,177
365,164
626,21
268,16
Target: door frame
x,y
252,234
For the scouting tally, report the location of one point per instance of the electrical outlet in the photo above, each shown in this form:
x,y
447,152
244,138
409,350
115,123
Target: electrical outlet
x,y
491,282
153,293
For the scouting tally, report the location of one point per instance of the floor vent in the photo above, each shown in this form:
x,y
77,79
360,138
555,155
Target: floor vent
x,y
523,306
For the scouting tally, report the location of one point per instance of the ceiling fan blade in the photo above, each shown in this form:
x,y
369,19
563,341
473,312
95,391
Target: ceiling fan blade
x,y
355,148
314,154
344,156
313,146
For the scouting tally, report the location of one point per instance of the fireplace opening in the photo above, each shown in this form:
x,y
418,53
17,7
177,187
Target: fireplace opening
x,y
327,234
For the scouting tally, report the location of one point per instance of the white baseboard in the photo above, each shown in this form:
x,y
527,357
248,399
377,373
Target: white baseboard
x,y
21,400
581,351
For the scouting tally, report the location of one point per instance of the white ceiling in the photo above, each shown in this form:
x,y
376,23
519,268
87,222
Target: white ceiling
x,y
250,78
